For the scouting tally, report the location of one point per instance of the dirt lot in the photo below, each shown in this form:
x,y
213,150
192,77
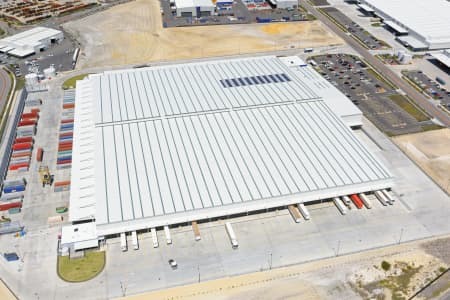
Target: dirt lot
x,y
356,276
431,151
132,33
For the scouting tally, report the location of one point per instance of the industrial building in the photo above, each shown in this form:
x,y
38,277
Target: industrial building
x,y
425,24
443,57
173,144
194,8
30,41
284,4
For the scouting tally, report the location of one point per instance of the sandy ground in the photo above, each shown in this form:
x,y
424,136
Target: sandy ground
x,y
348,277
431,151
5,293
132,33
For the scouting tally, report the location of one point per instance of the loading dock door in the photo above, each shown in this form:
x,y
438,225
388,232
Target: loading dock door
x,y
186,14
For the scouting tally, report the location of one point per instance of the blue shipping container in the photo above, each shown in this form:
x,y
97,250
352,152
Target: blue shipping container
x,y
13,189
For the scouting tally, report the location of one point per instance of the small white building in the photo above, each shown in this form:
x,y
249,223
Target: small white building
x,y
30,41
194,8
286,3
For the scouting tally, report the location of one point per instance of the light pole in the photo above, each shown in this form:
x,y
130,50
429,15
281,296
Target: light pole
x,y
198,270
270,260
401,235
338,247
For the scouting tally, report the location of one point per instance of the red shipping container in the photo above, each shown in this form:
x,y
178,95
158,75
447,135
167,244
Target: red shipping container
x,y
7,206
68,105
64,149
21,154
18,166
66,134
27,122
21,146
35,110
65,143
33,115
67,121
62,183
357,201
63,162
28,139
39,154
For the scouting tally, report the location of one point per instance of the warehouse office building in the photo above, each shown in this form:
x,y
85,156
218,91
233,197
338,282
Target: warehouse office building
x,y
425,23
194,8
172,144
31,41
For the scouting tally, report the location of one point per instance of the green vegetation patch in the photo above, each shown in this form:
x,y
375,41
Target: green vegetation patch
x,y
381,79
428,127
399,284
409,107
385,265
376,24
72,82
81,269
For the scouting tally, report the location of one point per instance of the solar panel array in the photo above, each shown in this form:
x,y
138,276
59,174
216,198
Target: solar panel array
x,y
251,80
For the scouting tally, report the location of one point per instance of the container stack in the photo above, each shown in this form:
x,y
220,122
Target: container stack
x,y
61,186
12,195
64,159
33,102
23,144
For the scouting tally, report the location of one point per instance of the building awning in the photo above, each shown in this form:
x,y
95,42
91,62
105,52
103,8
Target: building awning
x,y
443,57
80,233
366,8
396,27
412,42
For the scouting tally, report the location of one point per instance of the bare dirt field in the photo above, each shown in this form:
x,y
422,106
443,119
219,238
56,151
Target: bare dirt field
x,y
431,151
5,293
395,272
132,33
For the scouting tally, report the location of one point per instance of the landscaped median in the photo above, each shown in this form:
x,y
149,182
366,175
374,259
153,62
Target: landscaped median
x,y
71,83
83,268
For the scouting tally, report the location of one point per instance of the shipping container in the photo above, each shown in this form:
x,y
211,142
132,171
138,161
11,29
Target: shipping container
x,y
21,154
340,205
16,197
358,203
63,162
14,182
68,105
380,196
123,242
18,167
196,231
39,154
30,115
304,211
14,188
134,240
167,233
295,214
14,210
365,200
6,206
23,140
54,220
231,235
35,110
11,256
27,122
62,183
22,146
65,121
154,238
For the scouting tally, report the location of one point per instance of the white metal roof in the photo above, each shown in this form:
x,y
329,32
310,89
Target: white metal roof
x,y
155,145
193,3
430,19
412,41
366,8
24,42
395,26
78,233
443,57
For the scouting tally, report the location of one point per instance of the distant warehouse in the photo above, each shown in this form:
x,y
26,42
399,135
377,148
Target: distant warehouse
x,y
194,8
173,144
30,41
422,24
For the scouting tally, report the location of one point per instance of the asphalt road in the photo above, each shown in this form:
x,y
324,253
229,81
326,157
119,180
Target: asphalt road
x,y
417,97
5,85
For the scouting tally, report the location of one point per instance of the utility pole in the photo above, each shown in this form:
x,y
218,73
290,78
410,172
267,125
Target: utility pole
x,y
198,270
270,260
338,247
401,235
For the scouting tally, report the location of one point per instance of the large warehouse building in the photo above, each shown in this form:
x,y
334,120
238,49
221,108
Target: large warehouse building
x,y
30,41
194,8
172,144
426,23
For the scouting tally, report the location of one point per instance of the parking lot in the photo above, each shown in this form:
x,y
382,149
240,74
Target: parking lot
x,y
429,86
239,12
358,32
369,92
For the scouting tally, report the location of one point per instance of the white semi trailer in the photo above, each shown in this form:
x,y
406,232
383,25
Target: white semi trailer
x,y
154,238
380,196
123,241
389,197
134,240
340,205
231,235
304,211
365,200
167,233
